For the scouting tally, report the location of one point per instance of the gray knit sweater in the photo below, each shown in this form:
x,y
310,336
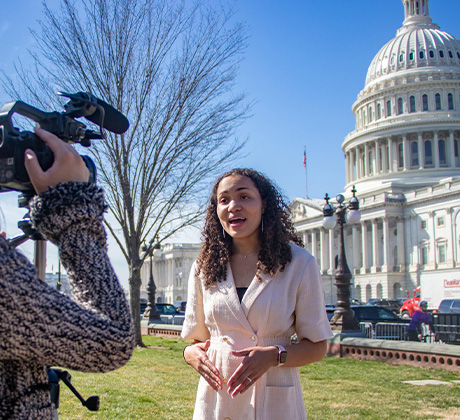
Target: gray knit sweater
x,y
90,332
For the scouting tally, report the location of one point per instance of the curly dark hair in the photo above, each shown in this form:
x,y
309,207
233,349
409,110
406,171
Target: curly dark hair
x,y
278,231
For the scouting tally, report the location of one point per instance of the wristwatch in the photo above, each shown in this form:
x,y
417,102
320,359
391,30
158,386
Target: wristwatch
x,y
282,354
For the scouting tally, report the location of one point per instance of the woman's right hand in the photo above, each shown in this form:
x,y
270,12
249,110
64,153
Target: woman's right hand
x,y
195,355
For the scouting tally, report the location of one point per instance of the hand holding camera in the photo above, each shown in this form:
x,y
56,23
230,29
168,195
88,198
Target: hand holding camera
x,y
67,166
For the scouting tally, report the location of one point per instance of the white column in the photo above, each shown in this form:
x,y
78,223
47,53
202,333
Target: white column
x,y
421,151
435,150
386,245
414,223
323,248
391,154
375,246
451,150
401,244
364,248
314,244
331,252
406,153
366,159
433,262
450,241
356,248
377,157
385,157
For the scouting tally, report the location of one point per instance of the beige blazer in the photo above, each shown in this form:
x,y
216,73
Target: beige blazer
x,y
270,313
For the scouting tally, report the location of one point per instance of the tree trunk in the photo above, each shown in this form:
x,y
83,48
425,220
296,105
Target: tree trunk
x,y
135,303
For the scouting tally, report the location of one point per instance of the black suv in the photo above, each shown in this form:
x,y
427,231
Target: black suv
x,y
391,304
372,314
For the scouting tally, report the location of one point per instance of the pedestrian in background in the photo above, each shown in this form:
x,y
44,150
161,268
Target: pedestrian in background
x,y
418,318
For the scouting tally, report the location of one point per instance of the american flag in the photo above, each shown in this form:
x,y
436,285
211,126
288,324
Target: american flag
x,y
305,157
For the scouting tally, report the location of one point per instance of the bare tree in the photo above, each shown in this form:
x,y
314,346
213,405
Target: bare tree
x,y
170,67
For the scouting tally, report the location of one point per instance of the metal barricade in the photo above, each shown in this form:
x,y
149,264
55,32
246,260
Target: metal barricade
x,y
390,331
449,334
384,330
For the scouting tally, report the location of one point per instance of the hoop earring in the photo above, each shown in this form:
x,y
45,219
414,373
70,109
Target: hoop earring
x,y
262,224
223,232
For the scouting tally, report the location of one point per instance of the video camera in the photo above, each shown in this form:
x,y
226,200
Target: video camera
x,y
13,142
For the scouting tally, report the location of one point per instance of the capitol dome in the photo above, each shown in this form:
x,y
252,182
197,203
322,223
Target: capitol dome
x,y
408,114
419,44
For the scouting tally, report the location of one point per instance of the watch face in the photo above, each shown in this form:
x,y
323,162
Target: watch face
x,y
283,357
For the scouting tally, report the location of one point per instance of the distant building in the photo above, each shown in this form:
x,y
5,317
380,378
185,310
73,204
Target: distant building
x,y
403,157
170,268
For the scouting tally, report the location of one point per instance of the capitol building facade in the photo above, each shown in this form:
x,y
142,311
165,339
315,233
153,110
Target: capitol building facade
x,y
403,158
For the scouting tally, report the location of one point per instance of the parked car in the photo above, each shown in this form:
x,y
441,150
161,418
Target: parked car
x,y
391,304
451,306
373,314
163,309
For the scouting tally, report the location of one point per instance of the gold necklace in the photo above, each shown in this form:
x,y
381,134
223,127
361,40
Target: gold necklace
x,y
247,255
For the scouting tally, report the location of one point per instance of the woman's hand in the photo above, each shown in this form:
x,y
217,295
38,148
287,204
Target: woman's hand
x,y
195,355
256,361
67,166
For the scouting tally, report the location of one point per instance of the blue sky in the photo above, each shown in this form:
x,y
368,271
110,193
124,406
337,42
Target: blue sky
x,y
305,64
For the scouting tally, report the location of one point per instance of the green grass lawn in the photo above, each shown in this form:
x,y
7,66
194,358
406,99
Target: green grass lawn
x,y
157,384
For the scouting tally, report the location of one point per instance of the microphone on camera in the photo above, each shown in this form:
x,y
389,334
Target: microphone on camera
x,y
96,111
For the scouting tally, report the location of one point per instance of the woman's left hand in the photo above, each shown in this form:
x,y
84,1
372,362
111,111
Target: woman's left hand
x,y
256,361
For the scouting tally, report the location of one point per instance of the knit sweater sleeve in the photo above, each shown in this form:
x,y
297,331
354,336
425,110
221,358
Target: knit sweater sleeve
x,y
90,331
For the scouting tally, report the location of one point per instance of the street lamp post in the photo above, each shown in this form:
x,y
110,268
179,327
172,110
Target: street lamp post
x,y
344,317
151,308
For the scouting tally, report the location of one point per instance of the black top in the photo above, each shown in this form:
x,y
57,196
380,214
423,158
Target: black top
x,y
241,291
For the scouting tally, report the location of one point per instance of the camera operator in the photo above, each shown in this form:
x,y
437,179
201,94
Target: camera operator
x,y
39,327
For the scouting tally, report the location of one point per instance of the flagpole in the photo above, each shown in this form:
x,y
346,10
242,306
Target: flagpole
x,y
305,166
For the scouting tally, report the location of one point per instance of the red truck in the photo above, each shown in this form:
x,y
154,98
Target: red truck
x,y
433,289
411,305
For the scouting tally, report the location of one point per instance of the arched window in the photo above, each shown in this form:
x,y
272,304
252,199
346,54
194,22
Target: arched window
x,y
379,291
368,292
441,53
422,55
388,108
451,55
412,103
425,102
371,114
400,155
450,101
400,106
431,54
437,98
428,153
414,154
379,111
442,152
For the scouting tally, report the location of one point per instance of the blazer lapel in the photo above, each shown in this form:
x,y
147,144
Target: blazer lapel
x,y
254,290
231,298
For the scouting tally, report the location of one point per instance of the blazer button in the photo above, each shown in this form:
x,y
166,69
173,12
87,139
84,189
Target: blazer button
x,y
253,338
225,338
227,418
